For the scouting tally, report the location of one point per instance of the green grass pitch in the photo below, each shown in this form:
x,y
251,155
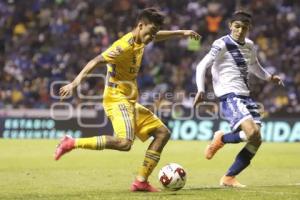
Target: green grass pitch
x,y
28,171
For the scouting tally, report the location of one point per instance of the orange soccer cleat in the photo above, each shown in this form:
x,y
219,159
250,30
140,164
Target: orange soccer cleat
x,y
67,143
142,187
215,145
230,181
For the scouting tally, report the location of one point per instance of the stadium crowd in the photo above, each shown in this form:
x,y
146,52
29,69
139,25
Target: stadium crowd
x,y
43,41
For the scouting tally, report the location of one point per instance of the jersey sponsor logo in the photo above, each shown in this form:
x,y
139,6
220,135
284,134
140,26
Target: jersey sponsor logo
x,y
119,49
215,50
116,52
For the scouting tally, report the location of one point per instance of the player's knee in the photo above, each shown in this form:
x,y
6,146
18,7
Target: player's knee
x,y
163,133
124,145
254,136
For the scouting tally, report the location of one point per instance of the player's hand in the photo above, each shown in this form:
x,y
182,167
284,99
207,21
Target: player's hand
x,y
277,80
66,91
192,34
198,98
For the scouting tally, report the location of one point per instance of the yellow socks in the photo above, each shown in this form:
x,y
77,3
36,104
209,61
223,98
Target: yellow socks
x,y
95,143
150,162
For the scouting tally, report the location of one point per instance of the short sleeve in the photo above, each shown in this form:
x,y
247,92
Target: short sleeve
x,y
112,54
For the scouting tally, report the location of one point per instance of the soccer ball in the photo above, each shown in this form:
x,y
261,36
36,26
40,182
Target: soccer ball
x,y
172,176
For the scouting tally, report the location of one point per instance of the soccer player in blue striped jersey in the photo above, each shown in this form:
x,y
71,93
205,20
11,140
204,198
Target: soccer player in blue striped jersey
x,y
232,57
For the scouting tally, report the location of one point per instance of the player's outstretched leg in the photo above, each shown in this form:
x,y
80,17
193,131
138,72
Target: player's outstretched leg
x,y
215,145
152,157
220,139
67,143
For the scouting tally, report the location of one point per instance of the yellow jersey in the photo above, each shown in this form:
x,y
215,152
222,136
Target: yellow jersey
x,y
124,59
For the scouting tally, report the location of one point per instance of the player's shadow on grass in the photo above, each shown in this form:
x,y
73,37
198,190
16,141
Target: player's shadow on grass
x,y
190,191
205,188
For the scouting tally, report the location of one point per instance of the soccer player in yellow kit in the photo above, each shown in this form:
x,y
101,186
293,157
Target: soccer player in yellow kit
x,y
129,118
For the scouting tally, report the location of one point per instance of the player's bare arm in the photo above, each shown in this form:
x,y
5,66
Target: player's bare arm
x,y
165,35
198,98
261,73
90,66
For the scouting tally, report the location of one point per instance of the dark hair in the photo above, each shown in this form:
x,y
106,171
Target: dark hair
x,y
241,16
151,15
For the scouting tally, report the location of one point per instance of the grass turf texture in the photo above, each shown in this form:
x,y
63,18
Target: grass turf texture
x,y
28,171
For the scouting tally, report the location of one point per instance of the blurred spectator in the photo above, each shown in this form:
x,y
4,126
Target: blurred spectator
x,y
213,18
45,41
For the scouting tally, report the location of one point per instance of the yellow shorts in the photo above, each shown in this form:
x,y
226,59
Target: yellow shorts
x,y
132,119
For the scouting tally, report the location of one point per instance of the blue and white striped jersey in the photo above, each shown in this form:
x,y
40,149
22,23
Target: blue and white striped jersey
x,y
231,62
